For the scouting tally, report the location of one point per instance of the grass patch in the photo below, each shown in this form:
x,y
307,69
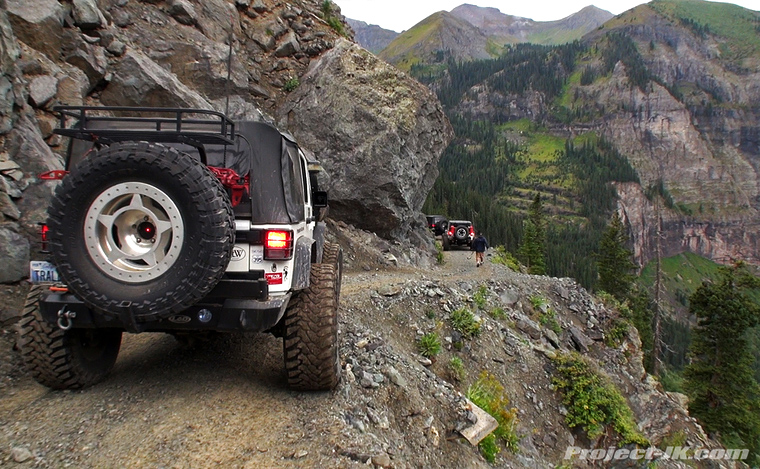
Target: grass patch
x,y
429,345
456,369
439,257
549,320
672,381
504,257
537,301
593,402
463,321
488,394
498,313
480,297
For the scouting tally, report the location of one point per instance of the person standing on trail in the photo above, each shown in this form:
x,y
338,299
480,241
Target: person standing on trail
x,y
479,245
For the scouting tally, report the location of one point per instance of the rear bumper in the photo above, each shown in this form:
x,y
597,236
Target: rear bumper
x,y
227,315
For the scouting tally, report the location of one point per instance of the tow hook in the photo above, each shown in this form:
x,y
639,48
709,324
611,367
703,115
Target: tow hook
x,y
65,317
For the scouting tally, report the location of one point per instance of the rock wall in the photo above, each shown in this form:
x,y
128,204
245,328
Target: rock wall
x,y
722,242
176,53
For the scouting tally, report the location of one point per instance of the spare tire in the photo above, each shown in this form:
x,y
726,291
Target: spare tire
x,y
141,229
461,233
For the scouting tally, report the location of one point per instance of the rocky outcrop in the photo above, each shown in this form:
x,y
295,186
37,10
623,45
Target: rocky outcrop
x,y
380,144
371,36
248,57
722,242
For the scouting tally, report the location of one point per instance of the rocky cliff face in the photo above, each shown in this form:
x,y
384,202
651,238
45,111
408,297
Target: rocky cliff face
x,y
707,157
175,53
371,36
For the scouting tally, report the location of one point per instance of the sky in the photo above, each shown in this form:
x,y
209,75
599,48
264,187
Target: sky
x,y
400,15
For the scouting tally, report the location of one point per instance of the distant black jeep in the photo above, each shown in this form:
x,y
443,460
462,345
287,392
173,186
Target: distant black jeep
x,y
437,224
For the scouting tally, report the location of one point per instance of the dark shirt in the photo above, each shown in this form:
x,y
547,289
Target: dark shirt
x,y
479,244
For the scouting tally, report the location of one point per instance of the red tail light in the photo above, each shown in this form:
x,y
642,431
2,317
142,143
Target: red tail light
x,y
44,236
451,230
472,231
278,245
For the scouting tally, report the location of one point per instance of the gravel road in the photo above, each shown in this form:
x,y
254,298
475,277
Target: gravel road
x,y
222,403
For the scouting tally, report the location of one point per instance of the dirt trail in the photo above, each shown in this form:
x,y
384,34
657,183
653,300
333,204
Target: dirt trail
x,y
224,403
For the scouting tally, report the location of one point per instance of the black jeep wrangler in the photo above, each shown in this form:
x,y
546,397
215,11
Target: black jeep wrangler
x,y
438,224
180,221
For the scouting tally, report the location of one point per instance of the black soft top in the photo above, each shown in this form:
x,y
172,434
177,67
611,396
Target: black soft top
x,y
260,150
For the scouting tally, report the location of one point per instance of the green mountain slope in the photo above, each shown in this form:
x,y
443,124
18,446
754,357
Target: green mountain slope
x,y
646,101
439,36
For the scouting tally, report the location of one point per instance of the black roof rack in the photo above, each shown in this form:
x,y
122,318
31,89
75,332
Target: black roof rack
x,y
194,127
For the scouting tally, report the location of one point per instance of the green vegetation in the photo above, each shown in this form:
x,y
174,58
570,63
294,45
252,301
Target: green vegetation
x,y
488,394
621,48
291,84
549,320
537,301
498,313
615,262
463,321
440,259
737,26
456,369
480,297
615,335
504,257
593,402
723,393
533,247
429,345
328,14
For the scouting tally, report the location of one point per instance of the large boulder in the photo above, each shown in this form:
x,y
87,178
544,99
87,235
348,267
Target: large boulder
x,y
29,150
14,252
38,23
378,132
139,81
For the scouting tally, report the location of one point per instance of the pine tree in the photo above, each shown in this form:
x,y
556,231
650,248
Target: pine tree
x,y
614,262
723,394
533,246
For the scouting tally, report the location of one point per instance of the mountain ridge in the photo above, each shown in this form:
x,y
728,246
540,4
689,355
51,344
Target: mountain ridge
x,y
441,33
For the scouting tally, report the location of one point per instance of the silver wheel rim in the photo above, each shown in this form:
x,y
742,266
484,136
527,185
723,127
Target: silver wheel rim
x,y
134,232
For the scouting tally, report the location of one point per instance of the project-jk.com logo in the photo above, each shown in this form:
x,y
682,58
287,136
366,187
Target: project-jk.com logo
x,y
684,453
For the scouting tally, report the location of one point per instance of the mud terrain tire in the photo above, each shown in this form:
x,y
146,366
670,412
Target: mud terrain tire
x,y
61,359
445,242
311,333
333,255
141,229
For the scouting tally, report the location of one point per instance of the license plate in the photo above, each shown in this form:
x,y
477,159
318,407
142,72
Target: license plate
x,y
43,272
